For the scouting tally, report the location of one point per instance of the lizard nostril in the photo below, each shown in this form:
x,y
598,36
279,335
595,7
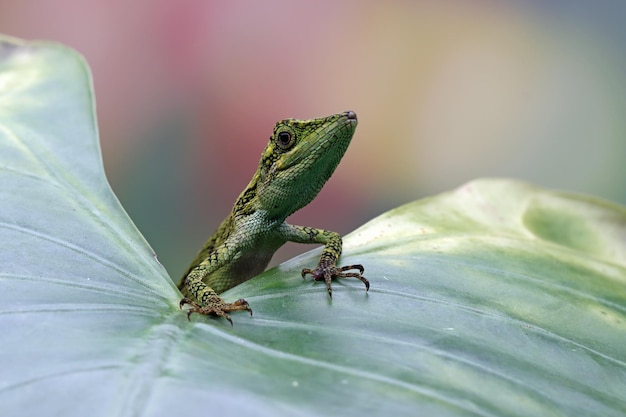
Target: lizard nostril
x,y
350,115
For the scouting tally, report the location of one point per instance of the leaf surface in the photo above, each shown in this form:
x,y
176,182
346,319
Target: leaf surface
x,y
496,299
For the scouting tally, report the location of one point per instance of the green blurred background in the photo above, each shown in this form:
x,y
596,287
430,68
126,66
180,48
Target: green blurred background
x,y
445,91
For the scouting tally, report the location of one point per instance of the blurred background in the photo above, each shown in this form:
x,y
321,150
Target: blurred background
x,y
446,91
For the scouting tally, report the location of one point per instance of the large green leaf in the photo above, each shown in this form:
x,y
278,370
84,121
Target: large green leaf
x,y
496,299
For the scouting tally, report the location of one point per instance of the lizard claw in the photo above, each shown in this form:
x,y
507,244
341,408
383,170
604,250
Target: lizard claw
x,y
216,307
326,274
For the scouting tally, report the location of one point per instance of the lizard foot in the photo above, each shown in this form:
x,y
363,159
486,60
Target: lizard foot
x,y
327,274
216,307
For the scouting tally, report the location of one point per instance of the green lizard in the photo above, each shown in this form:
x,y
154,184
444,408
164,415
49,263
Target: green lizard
x,y
298,160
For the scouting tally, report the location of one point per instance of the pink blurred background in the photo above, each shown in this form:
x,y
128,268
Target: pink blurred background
x,y
445,91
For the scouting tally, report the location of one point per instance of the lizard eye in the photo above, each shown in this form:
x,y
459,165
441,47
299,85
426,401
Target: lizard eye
x,y
284,140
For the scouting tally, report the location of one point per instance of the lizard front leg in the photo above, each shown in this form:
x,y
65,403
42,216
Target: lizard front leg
x,y
209,303
326,268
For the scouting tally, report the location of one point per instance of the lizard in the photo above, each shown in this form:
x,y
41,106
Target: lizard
x,y
299,158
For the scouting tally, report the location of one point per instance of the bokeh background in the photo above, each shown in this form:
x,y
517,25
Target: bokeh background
x,y
445,91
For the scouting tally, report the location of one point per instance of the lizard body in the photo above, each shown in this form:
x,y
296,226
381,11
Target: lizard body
x,y
299,158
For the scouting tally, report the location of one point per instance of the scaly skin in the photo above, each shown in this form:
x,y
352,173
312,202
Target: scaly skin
x,y
298,160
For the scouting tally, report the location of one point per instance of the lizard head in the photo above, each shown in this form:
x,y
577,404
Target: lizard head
x,y
299,158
